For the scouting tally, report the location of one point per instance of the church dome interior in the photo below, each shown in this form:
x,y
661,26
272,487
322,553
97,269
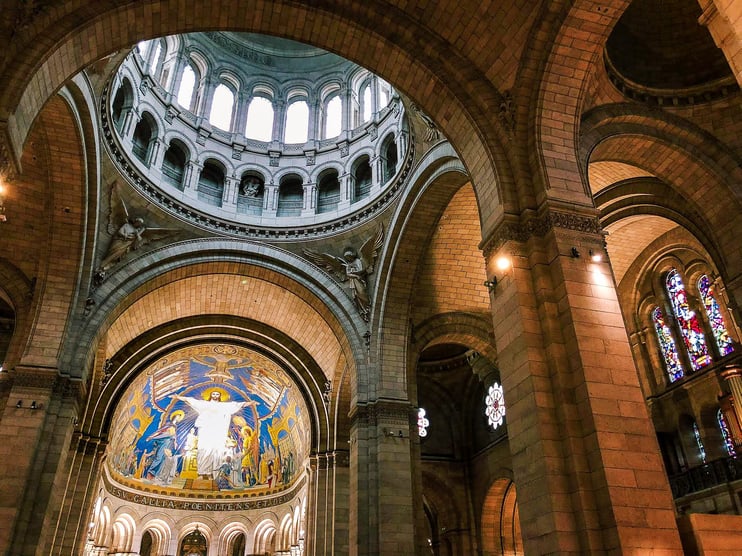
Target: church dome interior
x,y
330,278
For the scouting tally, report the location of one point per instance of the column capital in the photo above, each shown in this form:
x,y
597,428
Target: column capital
x,y
520,228
731,372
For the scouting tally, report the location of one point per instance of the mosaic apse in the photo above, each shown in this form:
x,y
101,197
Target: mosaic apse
x,y
210,418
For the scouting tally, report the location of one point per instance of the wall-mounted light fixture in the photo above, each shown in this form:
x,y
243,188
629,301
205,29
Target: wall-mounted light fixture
x,y
575,253
34,405
393,434
596,256
491,284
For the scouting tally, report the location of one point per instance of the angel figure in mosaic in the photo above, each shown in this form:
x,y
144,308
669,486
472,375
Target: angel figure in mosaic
x,y
353,268
129,233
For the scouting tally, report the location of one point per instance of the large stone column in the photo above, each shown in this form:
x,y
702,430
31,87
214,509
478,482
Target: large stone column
x,y
381,493
586,463
27,428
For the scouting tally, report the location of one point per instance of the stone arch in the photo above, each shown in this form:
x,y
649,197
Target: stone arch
x,y
410,227
552,102
253,262
681,156
127,363
500,524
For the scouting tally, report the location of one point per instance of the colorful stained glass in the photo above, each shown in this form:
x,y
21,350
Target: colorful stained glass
x,y
667,345
726,434
716,320
695,341
422,423
495,406
699,443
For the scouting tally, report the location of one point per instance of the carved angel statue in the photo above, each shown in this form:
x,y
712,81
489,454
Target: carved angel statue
x,y
129,233
353,267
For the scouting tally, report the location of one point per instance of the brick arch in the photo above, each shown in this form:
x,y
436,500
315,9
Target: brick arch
x,y
411,227
49,226
555,101
299,300
472,330
393,43
500,525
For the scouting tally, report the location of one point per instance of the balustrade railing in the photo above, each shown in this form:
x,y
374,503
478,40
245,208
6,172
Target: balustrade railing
x,y
708,475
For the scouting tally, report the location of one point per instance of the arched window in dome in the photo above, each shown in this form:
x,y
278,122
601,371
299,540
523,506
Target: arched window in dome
x,y
157,60
699,442
366,102
211,184
260,120
251,193
362,177
716,320
726,434
385,93
143,48
187,86
123,101
328,191
290,196
173,164
222,107
667,346
297,122
690,328
389,158
333,117
144,134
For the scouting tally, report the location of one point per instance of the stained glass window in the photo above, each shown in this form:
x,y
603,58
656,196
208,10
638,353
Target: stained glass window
x,y
422,423
726,434
699,443
693,337
494,406
667,345
723,341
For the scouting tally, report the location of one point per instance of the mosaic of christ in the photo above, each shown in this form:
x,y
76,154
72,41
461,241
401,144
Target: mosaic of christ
x,y
210,418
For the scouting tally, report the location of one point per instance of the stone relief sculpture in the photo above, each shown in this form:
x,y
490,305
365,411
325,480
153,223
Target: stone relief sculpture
x,y
129,234
353,267
432,133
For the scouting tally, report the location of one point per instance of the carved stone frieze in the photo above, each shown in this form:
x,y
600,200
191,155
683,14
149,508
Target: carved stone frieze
x,y
539,226
35,377
386,412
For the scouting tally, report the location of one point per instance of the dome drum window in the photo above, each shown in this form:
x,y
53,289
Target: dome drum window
x,y
211,184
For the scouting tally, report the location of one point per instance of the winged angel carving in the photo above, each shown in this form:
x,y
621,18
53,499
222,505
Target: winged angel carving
x,y
353,267
129,233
